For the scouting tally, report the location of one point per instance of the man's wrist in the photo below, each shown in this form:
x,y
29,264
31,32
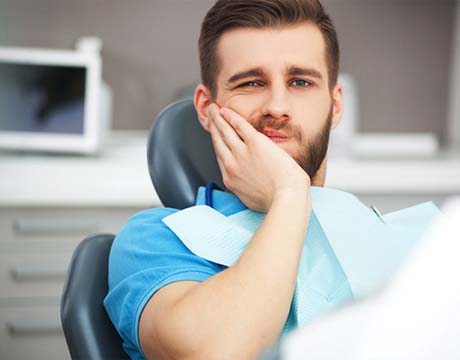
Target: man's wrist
x,y
292,196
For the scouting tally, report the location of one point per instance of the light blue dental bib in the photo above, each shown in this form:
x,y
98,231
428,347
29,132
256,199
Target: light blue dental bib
x,y
348,250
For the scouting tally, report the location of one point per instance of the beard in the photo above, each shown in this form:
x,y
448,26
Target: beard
x,y
312,152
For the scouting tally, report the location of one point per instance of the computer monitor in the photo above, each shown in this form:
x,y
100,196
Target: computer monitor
x,y
52,100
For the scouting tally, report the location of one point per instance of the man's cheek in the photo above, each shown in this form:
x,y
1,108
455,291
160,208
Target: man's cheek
x,y
244,106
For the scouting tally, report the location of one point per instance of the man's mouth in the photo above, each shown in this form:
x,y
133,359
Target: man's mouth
x,y
275,136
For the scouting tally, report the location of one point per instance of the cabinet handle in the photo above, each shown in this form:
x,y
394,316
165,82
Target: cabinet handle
x,y
33,327
27,272
53,226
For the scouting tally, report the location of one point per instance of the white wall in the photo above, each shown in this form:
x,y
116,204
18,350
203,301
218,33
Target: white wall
x,y
398,52
454,108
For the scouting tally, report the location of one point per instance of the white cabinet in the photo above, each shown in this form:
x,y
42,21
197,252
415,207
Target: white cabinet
x,y
48,204
392,184
31,331
36,245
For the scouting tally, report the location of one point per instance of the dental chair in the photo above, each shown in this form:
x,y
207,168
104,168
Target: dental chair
x,y
180,158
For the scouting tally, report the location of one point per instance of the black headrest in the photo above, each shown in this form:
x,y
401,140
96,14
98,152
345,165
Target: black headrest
x,y
180,155
88,330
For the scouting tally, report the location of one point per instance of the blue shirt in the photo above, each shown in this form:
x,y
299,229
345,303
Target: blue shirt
x,y
146,256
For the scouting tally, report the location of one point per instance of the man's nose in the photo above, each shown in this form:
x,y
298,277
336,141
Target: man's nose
x,y
277,104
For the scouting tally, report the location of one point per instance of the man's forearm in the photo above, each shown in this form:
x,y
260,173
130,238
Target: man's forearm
x,y
242,310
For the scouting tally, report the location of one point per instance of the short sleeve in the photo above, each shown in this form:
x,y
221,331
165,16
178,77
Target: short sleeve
x,y
146,256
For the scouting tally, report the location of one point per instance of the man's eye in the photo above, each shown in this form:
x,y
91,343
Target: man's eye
x,y
302,83
250,84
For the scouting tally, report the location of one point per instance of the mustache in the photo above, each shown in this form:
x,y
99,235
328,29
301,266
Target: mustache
x,y
290,129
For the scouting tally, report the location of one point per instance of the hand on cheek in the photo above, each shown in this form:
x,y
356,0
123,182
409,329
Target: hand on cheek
x,y
253,167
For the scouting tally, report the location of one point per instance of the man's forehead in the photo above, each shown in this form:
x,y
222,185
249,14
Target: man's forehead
x,y
272,49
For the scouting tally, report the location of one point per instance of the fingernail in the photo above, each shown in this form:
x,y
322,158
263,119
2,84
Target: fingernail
x,y
222,111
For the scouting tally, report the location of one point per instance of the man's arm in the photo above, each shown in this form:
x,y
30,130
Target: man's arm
x,y
241,311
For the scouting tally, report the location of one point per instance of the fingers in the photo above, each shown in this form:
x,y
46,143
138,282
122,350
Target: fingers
x,y
227,133
228,146
223,152
242,127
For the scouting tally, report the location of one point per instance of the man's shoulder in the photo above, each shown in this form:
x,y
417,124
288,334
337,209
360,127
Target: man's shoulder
x,y
141,241
152,215
145,223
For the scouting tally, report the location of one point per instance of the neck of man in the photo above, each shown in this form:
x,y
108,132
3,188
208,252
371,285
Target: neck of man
x,y
320,177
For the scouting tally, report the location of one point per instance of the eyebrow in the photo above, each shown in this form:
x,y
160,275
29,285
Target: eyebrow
x,y
260,72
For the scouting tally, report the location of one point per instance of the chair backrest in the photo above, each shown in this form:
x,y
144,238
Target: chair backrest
x,y
87,328
180,158
180,155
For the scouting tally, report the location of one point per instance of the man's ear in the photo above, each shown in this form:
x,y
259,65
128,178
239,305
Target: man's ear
x,y
337,105
202,100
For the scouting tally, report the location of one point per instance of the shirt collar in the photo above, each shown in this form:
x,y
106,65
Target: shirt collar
x,y
224,202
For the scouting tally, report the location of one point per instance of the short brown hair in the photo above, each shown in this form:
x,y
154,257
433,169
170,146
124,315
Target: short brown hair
x,y
232,14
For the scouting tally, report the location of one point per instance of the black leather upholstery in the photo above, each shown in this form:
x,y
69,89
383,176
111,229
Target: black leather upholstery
x,y
180,158
88,330
180,155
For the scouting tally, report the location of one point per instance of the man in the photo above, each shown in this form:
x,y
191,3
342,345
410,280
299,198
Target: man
x,y
269,97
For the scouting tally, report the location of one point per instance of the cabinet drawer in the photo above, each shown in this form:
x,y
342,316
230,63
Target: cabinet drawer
x,y
33,332
59,225
32,274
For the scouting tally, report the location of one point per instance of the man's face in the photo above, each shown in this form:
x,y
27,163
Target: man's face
x,y
278,80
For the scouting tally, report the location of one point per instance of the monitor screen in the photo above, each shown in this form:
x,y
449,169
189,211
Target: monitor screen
x,y
42,98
